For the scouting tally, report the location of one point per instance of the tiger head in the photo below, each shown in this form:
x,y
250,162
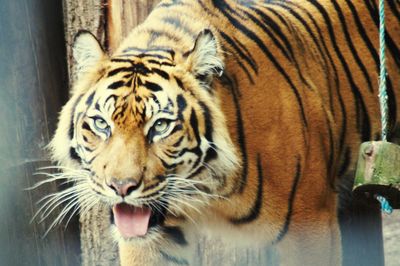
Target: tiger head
x,y
143,132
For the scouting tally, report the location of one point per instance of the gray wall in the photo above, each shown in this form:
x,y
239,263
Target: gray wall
x,y
33,85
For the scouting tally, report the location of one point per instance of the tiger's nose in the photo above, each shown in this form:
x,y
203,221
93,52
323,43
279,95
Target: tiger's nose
x,y
124,187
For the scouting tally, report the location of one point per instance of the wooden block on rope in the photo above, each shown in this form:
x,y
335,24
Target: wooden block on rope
x,y
378,172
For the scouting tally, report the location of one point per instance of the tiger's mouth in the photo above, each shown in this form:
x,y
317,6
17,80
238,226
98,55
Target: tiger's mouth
x,y
132,221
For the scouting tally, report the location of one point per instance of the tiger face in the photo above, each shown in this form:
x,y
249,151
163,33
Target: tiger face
x,y
144,128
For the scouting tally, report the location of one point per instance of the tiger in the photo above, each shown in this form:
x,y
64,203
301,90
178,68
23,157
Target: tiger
x,y
235,118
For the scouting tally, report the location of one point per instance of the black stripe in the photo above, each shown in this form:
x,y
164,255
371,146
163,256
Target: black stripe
x,y
139,68
300,43
317,41
391,45
129,83
285,227
86,126
241,65
112,96
170,3
256,208
180,83
122,60
393,8
351,46
363,33
200,169
207,121
88,149
177,23
111,214
171,154
175,260
268,21
211,154
331,163
364,127
181,103
71,124
150,50
152,86
343,127
160,63
375,56
177,128
239,51
156,101
195,126
308,29
222,6
175,234
345,163
167,165
155,34
89,100
228,83
197,151
118,70
178,142
143,55
161,73
116,85
74,155
206,9
150,187
247,52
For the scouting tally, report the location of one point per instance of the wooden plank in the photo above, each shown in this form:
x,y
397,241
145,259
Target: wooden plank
x,y
122,16
378,172
33,87
88,15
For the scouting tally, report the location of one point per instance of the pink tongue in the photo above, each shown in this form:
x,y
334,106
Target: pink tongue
x,y
131,221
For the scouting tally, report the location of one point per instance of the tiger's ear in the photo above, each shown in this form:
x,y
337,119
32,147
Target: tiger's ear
x,y
204,60
86,51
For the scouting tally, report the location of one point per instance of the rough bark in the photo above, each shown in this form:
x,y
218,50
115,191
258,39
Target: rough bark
x,y
86,15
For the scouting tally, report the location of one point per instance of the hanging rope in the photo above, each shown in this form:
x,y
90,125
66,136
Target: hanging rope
x,y
383,98
385,205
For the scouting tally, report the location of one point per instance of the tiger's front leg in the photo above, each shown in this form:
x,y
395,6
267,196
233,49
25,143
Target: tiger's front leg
x,y
175,246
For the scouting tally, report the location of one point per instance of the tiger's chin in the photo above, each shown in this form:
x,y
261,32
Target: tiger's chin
x,y
136,224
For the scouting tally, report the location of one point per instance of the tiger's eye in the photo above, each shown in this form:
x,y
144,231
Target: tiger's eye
x,y
161,126
100,123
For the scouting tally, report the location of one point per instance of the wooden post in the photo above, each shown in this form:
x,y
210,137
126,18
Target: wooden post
x,y
34,85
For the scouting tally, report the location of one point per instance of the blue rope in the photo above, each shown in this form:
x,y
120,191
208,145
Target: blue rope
x,y
383,97
385,205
